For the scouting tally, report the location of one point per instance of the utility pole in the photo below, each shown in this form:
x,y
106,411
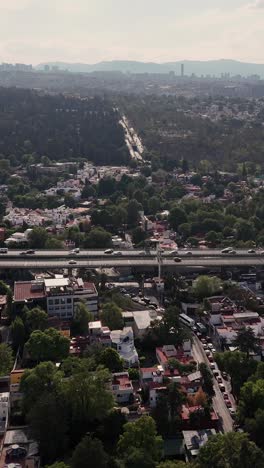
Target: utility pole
x,y
160,261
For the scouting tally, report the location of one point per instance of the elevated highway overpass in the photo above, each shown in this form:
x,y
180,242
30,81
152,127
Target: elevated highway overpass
x,y
39,262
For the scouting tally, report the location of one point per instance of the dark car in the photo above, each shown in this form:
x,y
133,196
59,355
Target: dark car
x,y
16,452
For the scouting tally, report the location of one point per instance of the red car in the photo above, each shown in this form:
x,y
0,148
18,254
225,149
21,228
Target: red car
x,y
228,403
226,397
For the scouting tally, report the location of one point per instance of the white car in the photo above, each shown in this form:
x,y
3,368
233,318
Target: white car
x,y
173,252
226,250
210,345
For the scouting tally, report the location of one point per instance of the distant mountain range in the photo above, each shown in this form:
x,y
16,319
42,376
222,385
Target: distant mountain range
x,y
210,67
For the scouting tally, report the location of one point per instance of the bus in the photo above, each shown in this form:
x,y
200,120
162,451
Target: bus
x,y
189,322
201,328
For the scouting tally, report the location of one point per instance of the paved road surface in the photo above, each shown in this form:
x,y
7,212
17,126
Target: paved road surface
x,y
218,400
38,262
208,253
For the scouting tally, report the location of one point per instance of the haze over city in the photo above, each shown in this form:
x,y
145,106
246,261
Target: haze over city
x,y
33,31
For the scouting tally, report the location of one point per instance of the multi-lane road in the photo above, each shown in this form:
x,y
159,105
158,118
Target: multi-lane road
x,y
138,253
218,400
44,259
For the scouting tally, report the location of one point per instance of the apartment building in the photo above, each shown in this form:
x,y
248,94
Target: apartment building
x,y
59,295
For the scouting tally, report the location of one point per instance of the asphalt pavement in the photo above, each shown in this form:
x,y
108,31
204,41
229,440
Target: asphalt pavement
x,y
218,400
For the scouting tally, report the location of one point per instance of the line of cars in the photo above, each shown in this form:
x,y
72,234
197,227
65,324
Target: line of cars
x,y
75,252
232,251
220,377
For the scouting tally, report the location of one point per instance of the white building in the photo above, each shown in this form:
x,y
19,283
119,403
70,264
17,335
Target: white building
x,y
123,342
122,388
64,293
4,411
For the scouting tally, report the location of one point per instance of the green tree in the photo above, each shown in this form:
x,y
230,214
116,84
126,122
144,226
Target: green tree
x,y
140,435
246,341
111,316
88,191
251,399
18,333
212,237
230,450
133,209
208,384
138,235
49,345
38,238
174,464
34,382
6,359
4,288
69,200
82,317
168,330
238,366
89,399
57,465
48,424
255,427
36,319
89,451
110,359
119,216
205,286
184,230
133,373
138,458
52,243
177,217
98,238
245,230
154,205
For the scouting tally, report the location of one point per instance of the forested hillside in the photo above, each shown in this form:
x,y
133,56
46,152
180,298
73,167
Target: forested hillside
x,y
59,127
224,131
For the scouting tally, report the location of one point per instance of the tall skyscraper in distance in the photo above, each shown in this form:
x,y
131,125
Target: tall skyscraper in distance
x,y
182,69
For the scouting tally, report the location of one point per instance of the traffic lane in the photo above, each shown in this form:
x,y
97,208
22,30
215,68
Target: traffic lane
x,y
218,400
135,252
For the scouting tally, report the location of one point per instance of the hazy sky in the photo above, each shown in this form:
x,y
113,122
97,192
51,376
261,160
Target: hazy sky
x,y
33,31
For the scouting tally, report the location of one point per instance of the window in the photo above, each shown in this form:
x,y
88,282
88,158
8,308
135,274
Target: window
x,y
69,301
50,301
57,301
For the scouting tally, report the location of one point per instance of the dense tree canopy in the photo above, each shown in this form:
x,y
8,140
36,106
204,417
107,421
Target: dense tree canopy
x,y
111,316
140,435
59,127
6,359
48,345
87,451
230,450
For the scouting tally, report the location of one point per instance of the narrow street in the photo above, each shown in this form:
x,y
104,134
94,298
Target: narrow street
x,y
218,400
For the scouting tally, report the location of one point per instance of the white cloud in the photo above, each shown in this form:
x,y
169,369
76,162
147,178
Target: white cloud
x,y
257,4
14,5
33,31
